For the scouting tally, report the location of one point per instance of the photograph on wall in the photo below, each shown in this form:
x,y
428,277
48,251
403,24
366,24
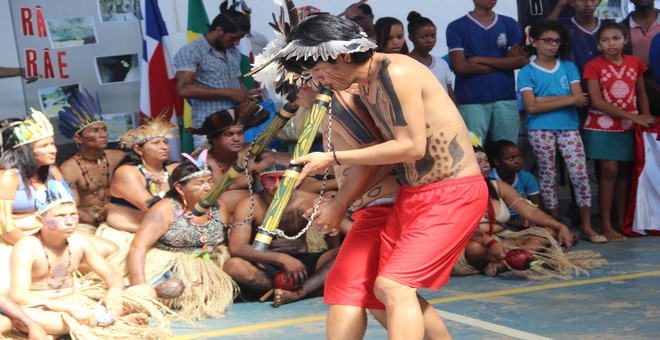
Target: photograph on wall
x,y
610,9
118,68
119,123
70,32
52,99
119,10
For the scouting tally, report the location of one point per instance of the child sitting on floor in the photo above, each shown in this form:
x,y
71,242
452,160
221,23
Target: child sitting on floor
x,y
43,279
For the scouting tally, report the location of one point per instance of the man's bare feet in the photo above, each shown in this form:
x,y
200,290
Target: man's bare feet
x,y
493,268
497,251
137,318
283,296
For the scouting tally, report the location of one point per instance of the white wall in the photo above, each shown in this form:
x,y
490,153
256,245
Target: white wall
x,y
175,14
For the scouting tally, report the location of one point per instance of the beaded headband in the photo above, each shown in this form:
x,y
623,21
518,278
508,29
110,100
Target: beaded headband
x,y
81,112
56,193
33,129
200,163
275,77
155,128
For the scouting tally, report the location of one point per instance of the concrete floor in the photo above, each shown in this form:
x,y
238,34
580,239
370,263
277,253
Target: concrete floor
x,y
618,301
621,300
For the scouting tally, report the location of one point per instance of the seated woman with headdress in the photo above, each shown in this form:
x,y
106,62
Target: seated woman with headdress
x,y
546,239
27,161
142,175
187,249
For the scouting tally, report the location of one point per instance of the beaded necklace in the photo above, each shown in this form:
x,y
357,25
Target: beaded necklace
x,y
50,277
153,184
106,170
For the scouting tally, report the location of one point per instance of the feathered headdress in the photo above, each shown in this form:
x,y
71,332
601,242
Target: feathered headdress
x,y
156,127
32,129
81,112
201,164
269,62
246,117
56,193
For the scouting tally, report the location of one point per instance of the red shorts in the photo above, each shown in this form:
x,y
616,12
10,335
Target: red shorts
x,y
428,229
351,279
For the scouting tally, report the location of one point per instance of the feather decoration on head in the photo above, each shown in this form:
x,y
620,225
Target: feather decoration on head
x,y
155,127
81,112
240,115
56,193
269,62
33,129
272,75
201,164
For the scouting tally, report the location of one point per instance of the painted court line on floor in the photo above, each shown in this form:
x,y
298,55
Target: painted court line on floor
x,y
289,322
489,326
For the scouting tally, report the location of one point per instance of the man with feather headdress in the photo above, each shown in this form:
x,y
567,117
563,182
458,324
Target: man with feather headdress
x,y
89,171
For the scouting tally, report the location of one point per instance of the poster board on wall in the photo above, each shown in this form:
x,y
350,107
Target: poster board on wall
x,y
91,44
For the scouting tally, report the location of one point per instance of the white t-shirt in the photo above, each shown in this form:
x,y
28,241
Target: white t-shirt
x,y
440,68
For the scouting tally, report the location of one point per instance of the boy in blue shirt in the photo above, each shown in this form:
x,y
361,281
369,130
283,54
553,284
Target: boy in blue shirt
x,y
484,51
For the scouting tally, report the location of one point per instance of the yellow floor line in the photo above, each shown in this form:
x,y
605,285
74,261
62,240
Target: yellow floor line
x,y
289,322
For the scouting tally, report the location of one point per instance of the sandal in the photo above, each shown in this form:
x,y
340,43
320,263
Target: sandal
x,y
615,237
594,239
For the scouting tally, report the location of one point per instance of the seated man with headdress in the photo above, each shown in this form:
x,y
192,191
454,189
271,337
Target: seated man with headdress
x,y
44,280
178,248
256,271
224,130
90,170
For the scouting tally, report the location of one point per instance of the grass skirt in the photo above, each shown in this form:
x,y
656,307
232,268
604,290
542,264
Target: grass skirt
x,y
89,292
209,290
557,264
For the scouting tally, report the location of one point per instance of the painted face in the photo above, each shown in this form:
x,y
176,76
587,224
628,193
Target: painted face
x,y
482,159
425,38
94,136
271,181
585,8
611,42
227,40
365,21
44,151
338,75
157,149
395,40
510,160
61,219
547,44
231,139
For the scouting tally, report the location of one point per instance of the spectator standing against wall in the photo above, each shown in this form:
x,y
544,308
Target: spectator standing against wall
x,y
484,50
208,70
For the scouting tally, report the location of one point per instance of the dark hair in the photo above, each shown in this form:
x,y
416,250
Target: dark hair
x,y
491,190
538,28
383,27
417,21
20,158
230,20
496,149
366,9
609,24
317,29
182,170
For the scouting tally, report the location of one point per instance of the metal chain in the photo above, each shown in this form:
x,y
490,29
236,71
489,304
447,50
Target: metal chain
x,y
248,154
331,147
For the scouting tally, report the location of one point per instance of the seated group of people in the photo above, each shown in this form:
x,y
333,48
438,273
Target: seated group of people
x,y
135,210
